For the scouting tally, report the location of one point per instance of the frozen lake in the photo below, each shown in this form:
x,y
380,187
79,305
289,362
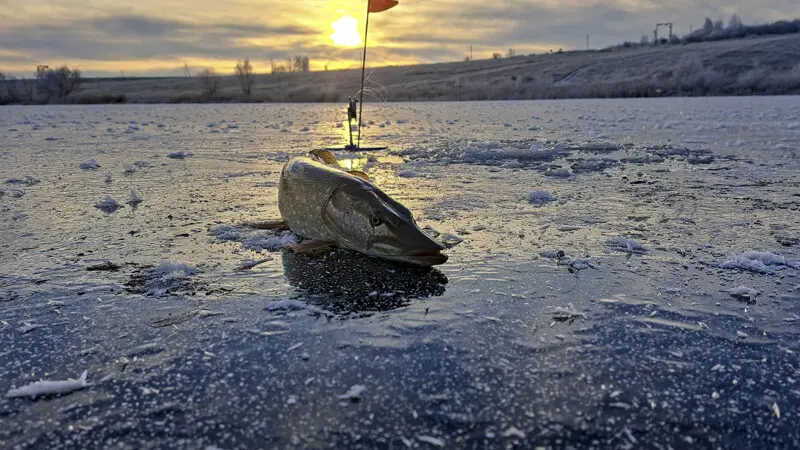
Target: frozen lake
x,y
628,277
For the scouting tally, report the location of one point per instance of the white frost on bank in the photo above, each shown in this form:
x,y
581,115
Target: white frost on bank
x,y
760,262
91,164
108,204
50,387
255,240
540,198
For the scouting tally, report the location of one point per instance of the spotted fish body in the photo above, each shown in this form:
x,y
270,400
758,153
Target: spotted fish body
x,y
324,203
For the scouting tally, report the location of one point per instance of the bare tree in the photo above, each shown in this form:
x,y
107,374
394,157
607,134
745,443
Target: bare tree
x,y
209,80
244,73
496,55
7,84
57,83
735,23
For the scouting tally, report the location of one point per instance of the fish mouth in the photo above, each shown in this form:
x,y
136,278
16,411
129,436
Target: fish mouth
x,y
420,258
428,258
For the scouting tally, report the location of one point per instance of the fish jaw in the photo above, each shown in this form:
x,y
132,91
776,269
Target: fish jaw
x,y
425,259
408,244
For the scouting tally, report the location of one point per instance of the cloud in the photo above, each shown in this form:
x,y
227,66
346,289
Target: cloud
x,y
128,36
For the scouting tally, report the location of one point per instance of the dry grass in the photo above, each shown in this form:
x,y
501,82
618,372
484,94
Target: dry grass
x,y
769,65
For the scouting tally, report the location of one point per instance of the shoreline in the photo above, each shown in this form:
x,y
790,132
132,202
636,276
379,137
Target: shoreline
x,y
736,67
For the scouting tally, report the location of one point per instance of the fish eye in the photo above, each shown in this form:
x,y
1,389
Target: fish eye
x,y
375,220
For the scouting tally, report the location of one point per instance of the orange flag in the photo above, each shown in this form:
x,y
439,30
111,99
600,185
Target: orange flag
x,y
376,6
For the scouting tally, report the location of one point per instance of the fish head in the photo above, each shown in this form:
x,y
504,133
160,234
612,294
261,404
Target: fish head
x,y
365,219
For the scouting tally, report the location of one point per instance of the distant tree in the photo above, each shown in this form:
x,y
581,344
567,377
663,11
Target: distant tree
x,y
299,64
244,74
718,26
497,55
511,53
466,59
209,80
58,83
3,81
278,68
735,24
708,26
645,40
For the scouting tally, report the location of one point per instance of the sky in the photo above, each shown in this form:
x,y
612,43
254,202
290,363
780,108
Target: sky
x,y
162,37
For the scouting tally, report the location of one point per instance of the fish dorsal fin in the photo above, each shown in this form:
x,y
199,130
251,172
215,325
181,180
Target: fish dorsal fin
x,y
325,155
359,174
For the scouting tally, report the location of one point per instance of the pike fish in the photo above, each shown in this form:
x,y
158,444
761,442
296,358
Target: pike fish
x,y
335,208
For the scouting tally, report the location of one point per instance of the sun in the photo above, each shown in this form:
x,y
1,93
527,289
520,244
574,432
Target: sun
x,y
345,32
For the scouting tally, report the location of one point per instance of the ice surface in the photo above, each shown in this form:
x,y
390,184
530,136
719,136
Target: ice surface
x,y
689,215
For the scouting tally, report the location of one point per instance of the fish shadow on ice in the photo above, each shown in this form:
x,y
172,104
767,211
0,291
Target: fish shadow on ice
x,y
344,282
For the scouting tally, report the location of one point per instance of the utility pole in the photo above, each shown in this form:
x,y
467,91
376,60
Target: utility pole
x,y
587,42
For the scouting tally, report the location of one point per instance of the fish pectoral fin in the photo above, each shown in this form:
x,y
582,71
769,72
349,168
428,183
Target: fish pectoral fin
x,y
325,155
311,246
359,174
268,225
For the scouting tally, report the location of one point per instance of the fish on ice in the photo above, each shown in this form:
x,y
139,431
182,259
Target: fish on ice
x,y
332,207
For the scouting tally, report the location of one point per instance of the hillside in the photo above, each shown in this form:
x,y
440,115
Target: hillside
x,y
764,65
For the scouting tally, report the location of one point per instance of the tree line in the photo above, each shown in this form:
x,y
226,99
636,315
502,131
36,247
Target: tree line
x,y
716,30
243,72
49,85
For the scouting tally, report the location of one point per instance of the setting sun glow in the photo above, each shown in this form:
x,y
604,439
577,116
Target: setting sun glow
x,y
345,32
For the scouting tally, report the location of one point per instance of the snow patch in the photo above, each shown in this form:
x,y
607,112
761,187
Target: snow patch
x,y
179,155
167,277
91,164
108,204
27,180
255,240
135,199
407,174
540,198
760,262
622,244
